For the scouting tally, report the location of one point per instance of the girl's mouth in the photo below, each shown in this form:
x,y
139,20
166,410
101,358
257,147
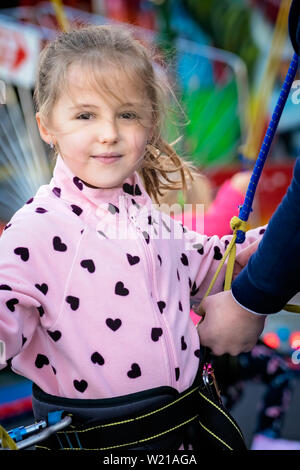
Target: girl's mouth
x,y
107,158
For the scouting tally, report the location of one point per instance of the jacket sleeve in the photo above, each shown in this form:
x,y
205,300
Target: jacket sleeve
x,y
271,277
20,299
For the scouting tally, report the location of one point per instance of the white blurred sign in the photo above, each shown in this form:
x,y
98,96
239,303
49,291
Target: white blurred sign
x,y
19,50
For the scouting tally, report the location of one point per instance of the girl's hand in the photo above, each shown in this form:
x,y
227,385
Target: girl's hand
x,y
227,327
243,257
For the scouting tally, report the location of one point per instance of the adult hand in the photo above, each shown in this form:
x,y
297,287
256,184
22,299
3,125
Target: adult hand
x,y
227,327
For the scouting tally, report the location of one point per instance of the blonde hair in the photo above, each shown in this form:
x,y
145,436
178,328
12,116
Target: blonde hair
x,y
115,48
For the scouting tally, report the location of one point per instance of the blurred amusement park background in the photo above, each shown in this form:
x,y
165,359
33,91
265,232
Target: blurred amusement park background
x,y
228,58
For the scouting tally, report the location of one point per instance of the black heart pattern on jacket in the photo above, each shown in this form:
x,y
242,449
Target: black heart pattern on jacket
x,y
156,333
40,210
130,189
11,304
41,311
137,191
120,289
114,325
161,305
42,288
80,386
132,259
76,209
135,371
194,289
55,335
96,358
5,287
89,265
56,192
58,245
199,247
184,259
73,302
78,183
218,254
41,361
22,252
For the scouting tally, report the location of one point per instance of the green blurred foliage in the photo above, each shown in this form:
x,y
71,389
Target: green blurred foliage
x,y
227,23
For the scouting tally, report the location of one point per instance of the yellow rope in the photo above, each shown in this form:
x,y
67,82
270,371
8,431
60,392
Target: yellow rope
x,y
292,308
60,15
236,224
6,441
261,101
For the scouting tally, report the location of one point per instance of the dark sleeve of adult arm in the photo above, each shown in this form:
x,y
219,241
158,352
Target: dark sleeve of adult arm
x,y
272,275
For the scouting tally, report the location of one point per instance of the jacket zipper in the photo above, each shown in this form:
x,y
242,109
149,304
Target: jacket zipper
x,y
159,315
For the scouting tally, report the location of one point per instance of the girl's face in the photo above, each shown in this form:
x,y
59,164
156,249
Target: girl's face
x,y
101,139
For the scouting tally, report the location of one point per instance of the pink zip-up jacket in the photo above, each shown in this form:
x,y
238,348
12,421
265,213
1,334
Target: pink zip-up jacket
x,y
95,290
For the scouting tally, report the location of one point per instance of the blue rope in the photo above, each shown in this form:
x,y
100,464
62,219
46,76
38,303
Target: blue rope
x,y
284,93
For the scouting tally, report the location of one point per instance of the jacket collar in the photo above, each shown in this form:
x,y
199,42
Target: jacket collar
x,y
70,188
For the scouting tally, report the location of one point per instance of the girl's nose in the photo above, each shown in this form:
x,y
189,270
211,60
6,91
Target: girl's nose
x,y
108,132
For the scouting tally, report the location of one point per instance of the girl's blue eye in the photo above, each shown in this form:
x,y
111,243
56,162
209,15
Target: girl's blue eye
x,y
128,115
84,116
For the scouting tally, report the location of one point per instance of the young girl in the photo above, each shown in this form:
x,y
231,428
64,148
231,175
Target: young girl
x,y
96,284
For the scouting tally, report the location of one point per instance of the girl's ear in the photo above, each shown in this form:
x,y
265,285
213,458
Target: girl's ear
x,y
44,133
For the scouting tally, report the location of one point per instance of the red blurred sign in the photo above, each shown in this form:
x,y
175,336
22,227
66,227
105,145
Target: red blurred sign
x,y
19,50
272,186
12,52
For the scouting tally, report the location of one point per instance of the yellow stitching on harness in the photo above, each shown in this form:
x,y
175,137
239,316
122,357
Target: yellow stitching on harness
x,y
220,409
131,419
156,435
135,442
215,436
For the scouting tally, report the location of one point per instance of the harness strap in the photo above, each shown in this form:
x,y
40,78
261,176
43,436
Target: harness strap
x,y
193,417
132,431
